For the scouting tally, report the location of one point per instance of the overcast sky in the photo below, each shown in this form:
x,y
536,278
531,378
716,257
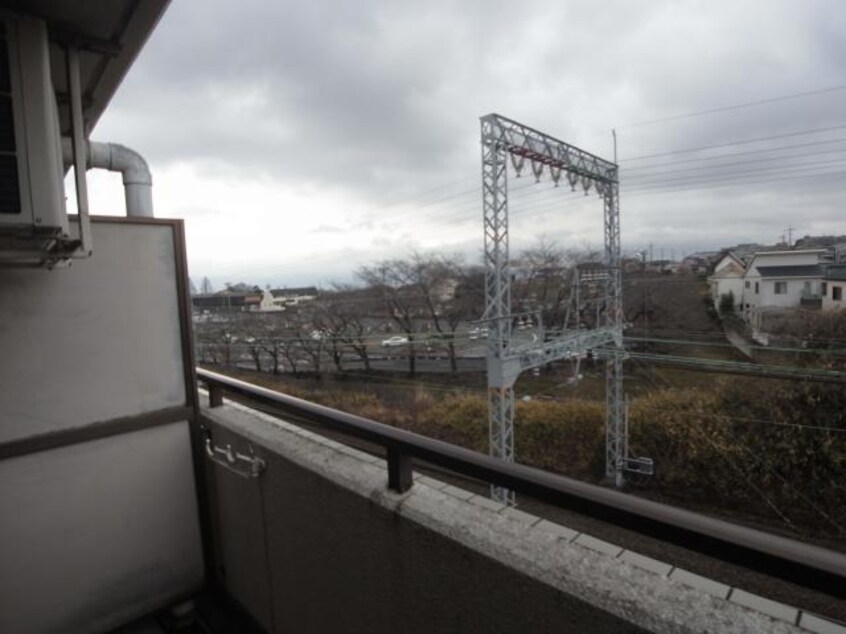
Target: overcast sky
x,y
301,139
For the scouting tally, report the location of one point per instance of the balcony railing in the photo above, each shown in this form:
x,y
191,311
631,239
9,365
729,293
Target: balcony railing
x,y
788,559
810,300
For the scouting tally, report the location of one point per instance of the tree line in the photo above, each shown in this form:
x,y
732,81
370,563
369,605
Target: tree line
x,y
432,300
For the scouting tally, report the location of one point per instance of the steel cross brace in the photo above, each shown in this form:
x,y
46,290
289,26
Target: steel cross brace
x,y
526,142
516,360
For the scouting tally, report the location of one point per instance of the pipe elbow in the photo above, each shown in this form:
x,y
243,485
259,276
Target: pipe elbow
x,y
137,179
130,164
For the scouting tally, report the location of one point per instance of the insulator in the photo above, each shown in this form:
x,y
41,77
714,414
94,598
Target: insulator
x,y
555,173
517,162
572,178
537,170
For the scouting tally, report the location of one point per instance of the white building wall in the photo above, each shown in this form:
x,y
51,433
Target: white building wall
x,y
791,299
828,302
96,532
723,285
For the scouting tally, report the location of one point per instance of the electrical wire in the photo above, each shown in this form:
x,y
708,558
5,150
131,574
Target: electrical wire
x,y
731,155
771,137
737,106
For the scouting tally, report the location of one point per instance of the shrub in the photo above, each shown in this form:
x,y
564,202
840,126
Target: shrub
x,y
726,305
678,429
460,419
562,436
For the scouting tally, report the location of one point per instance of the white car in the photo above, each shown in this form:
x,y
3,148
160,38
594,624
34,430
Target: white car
x,y
394,341
475,333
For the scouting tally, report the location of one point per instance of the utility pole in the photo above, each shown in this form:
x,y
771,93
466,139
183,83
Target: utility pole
x,y
790,229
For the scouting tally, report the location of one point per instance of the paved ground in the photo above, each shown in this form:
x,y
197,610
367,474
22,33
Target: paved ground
x,y
739,342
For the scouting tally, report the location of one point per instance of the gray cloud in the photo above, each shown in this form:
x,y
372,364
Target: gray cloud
x,y
382,101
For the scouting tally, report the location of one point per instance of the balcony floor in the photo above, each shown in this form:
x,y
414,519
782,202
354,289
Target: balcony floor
x,y
213,615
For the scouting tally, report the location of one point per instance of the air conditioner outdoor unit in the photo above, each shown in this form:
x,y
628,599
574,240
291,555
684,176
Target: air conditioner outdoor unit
x,y
33,219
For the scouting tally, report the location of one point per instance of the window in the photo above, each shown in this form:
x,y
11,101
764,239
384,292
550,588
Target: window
x,y
756,288
823,288
837,293
780,288
747,283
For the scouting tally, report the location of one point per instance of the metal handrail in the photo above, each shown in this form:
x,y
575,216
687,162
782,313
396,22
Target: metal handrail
x,y
811,566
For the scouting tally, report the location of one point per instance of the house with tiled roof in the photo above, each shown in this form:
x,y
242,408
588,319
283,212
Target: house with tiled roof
x,y
775,281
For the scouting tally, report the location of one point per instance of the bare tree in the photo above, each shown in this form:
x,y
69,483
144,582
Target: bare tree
x,y
343,315
545,281
393,280
255,348
441,285
352,313
330,325
467,303
273,348
206,286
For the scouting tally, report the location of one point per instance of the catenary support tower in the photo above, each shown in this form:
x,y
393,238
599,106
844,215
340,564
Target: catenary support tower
x,y
503,139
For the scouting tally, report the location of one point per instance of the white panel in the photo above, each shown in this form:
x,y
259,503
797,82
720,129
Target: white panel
x,y
97,341
98,533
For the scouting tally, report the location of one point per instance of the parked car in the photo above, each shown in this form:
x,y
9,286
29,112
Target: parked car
x,y
394,341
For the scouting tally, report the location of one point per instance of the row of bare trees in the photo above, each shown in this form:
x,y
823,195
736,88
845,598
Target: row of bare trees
x,y
427,298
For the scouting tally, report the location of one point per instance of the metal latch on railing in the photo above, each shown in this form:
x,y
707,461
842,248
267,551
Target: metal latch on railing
x,y
228,458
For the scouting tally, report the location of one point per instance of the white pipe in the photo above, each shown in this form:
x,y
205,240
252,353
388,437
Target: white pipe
x,y
137,180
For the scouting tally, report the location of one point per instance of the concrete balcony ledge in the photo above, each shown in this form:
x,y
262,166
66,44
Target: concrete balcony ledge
x,y
475,559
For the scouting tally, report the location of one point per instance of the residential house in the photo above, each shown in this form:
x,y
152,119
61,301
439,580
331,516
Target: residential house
x,y
280,298
834,245
727,279
778,280
699,263
665,267
226,301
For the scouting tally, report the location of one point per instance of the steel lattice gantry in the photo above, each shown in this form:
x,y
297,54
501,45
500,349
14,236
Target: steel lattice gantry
x,y
503,139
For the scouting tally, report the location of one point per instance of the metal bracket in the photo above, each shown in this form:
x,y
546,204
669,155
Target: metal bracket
x,y
84,249
228,458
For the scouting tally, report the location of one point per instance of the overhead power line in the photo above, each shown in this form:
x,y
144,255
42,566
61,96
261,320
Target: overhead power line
x,y
737,106
660,189
718,157
738,142
710,168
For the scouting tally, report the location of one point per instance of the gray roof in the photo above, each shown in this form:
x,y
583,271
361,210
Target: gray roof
x,y
835,272
796,270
